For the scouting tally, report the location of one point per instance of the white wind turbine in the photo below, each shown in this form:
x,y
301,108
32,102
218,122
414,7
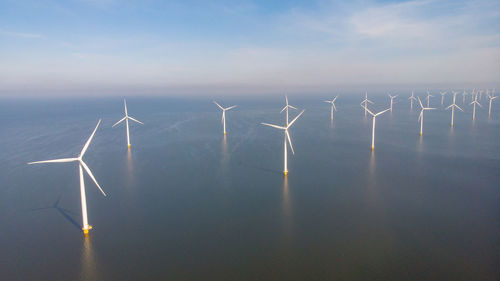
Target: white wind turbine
x,y
421,116
452,106
365,102
332,102
442,97
491,97
463,96
428,98
287,137
86,227
474,102
392,98
126,118
223,120
287,106
412,98
374,115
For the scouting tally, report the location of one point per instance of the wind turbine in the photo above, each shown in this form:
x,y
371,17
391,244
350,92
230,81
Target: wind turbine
x,y
463,96
374,115
287,137
421,116
223,120
126,118
428,97
412,98
392,98
491,97
452,106
474,102
442,97
332,107
365,102
86,227
286,108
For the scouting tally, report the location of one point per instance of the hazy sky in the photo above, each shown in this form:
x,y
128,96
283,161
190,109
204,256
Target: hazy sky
x,y
150,47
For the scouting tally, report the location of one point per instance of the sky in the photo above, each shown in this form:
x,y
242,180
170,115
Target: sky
x,y
113,47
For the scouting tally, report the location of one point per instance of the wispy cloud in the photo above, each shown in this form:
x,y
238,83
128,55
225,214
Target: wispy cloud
x,y
21,34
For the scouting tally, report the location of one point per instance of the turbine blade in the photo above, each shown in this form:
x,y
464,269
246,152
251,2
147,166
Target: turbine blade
x,y
231,107
289,140
135,120
293,107
295,119
381,112
420,102
218,105
121,120
448,106
54,161
368,110
91,176
284,108
334,108
458,107
334,99
125,105
369,101
90,139
274,126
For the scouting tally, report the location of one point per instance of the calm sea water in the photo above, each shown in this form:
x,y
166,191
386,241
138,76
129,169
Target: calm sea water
x,y
185,203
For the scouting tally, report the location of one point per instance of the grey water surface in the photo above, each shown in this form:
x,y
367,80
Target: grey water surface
x,y
187,203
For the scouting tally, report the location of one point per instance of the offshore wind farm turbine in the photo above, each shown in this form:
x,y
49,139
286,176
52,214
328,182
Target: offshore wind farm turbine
x,y
223,120
374,115
126,118
463,96
86,227
392,98
428,98
412,98
491,97
332,108
474,102
286,138
442,97
287,106
365,102
421,116
452,106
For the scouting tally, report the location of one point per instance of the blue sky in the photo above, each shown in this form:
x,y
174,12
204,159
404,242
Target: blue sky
x,y
135,47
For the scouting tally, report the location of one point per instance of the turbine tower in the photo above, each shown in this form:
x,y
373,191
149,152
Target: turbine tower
x,y
365,102
412,98
287,106
126,118
223,120
392,98
491,97
421,116
428,98
332,102
452,106
86,227
474,102
463,96
286,138
374,115
442,97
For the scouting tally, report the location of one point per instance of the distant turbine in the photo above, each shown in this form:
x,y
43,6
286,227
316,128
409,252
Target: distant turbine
x,y
472,95
474,110
126,118
428,98
491,99
86,227
452,106
442,97
332,102
421,116
463,96
287,137
287,106
392,98
365,102
223,120
373,127
412,98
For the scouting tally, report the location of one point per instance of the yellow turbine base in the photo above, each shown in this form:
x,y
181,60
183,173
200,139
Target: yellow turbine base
x,y
86,230
128,146
224,133
373,147
420,133
285,173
